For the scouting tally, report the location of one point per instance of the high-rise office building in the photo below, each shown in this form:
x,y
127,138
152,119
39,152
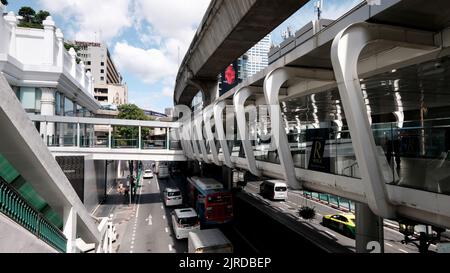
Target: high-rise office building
x,y
256,59
108,86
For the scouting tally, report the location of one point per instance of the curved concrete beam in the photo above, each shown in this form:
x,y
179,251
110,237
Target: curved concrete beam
x,y
239,99
207,116
345,52
272,85
219,106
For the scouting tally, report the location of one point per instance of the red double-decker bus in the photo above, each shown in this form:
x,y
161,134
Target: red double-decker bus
x,y
212,202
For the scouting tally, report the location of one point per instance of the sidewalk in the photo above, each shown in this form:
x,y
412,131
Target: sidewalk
x,y
122,213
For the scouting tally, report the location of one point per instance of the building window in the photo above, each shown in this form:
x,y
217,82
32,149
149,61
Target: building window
x,y
68,107
102,71
102,78
31,99
102,64
88,62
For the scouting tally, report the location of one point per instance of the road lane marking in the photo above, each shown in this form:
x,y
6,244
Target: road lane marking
x,y
330,233
404,251
162,207
149,219
164,217
157,185
167,230
170,247
388,244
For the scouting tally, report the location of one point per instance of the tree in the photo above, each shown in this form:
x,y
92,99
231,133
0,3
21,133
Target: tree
x,y
31,19
41,16
132,112
27,13
4,2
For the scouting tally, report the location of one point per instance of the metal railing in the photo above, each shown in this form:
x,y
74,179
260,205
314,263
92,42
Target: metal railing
x,y
13,205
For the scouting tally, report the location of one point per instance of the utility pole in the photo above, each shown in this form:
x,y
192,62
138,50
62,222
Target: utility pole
x,y
318,8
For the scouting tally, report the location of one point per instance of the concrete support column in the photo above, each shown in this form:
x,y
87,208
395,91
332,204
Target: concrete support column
x,y
49,40
227,174
12,21
369,230
70,228
48,109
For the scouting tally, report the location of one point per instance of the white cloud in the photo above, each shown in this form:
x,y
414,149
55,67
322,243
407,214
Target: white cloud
x,y
151,65
107,18
167,91
174,21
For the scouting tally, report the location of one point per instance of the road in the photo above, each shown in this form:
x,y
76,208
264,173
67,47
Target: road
x,y
295,200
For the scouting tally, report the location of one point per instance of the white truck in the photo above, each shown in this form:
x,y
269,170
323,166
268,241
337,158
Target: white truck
x,y
162,169
209,241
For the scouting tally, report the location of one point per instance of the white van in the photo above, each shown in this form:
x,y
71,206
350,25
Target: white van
x,y
184,221
173,197
274,189
209,241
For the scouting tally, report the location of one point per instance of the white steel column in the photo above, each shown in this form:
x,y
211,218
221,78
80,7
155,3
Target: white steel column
x,y
218,115
110,137
345,52
207,115
199,133
272,85
70,228
193,139
239,99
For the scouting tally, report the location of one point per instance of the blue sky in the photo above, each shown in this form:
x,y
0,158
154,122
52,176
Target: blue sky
x,y
148,38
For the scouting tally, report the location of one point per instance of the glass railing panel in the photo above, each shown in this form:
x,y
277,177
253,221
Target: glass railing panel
x,y
417,153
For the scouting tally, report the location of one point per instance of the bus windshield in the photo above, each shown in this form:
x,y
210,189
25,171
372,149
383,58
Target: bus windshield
x,y
219,199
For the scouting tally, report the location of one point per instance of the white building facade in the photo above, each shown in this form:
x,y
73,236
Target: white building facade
x,y
45,76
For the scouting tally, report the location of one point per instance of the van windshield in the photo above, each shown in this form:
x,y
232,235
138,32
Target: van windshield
x,y
280,189
188,221
174,193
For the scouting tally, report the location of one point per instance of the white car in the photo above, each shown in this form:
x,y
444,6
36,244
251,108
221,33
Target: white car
x,y
148,174
173,197
184,221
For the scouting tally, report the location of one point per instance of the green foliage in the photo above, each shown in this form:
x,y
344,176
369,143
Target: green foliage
x,y
27,13
4,2
132,112
307,213
31,19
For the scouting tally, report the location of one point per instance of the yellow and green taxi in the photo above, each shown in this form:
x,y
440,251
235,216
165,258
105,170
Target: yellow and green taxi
x,y
344,223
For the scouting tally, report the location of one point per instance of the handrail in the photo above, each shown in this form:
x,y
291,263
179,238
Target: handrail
x,y
13,205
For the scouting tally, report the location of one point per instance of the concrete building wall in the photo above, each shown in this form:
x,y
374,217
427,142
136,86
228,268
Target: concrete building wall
x,y
16,239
